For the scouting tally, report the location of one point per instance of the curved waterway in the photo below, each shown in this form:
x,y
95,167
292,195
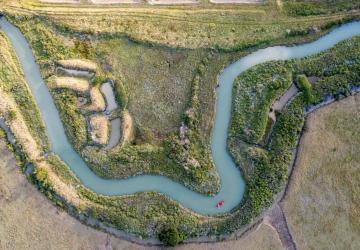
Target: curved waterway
x,y
232,184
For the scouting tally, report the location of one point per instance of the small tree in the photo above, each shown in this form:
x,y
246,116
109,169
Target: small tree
x,y
171,236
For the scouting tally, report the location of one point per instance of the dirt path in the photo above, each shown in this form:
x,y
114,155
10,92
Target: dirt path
x,y
276,219
279,104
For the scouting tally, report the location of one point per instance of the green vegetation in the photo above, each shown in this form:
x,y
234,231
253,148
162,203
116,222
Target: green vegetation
x,y
255,92
171,89
121,94
157,98
266,167
74,121
171,236
306,88
316,7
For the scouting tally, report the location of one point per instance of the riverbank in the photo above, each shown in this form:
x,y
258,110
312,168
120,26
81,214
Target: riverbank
x,y
22,205
15,191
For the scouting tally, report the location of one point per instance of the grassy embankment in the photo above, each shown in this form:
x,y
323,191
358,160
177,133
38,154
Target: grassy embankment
x,y
259,194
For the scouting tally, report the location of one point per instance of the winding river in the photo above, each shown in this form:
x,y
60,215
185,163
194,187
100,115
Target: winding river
x,y
232,184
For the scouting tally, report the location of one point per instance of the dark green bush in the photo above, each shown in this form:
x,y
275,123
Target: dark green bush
x,y
171,236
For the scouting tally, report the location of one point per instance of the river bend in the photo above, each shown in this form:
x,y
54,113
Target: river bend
x,y
232,183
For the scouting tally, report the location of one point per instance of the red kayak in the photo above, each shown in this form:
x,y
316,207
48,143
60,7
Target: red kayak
x,y
220,203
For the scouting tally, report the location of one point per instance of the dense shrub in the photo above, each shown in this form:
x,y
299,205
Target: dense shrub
x,y
84,48
305,87
171,236
304,9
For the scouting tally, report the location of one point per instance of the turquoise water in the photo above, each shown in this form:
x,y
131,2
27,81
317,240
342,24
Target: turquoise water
x,y
232,184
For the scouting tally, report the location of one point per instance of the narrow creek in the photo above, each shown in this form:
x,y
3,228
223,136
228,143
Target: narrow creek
x,y
232,184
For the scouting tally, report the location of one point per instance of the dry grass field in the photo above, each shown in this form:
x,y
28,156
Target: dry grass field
x,y
323,203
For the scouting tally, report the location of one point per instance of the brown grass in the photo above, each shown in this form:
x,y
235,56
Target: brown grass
x,y
127,127
18,126
30,221
323,202
97,100
99,129
80,64
77,84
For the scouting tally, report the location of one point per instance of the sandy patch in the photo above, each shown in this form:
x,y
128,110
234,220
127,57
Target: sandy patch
x,y
78,64
77,84
99,129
